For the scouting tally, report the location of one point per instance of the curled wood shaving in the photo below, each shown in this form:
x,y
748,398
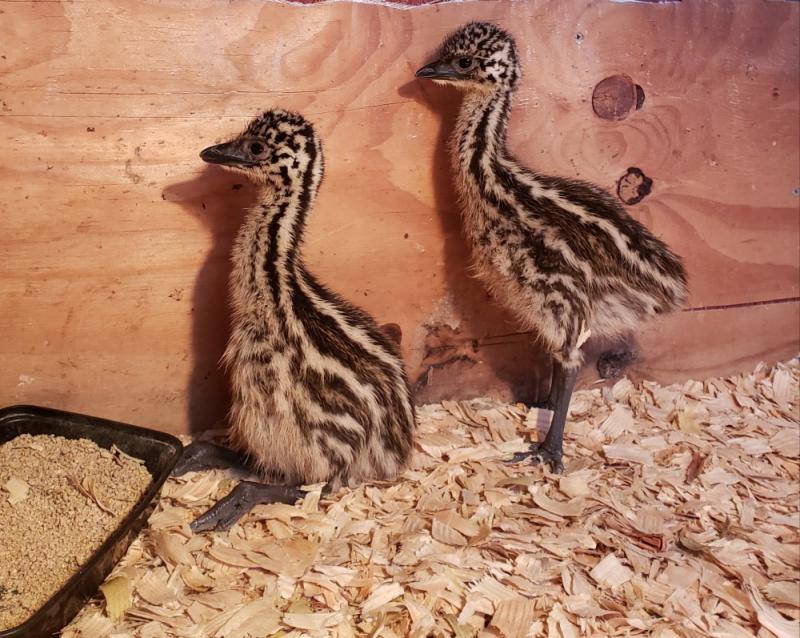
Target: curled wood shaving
x,y
117,452
312,621
573,507
559,625
380,597
117,593
769,618
695,466
87,483
154,588
513,617
256,618
92,625
785,592
610,572
627,452
86,487
170,548
654,541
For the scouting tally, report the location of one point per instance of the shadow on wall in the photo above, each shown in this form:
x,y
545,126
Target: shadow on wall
x,y
487,352
219,200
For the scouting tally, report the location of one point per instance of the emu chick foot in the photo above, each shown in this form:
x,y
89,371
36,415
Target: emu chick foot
x,y
541,453
206,456
240,501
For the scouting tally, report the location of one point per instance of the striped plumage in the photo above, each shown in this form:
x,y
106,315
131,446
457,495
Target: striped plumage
x,y
319,393
561,254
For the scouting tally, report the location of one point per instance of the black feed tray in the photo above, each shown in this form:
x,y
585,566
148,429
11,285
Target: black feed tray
x,y
159,452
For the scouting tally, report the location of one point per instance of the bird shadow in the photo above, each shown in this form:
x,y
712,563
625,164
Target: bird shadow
x,y
218,200
513,358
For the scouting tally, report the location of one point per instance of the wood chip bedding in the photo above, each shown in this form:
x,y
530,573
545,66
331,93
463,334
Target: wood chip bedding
x,y
677,517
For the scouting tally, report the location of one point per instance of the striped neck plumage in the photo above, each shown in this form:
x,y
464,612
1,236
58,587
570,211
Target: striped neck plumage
x,y
288,208
480,134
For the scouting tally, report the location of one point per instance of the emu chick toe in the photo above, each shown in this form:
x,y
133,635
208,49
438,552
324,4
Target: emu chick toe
x,y
244,497
205,456
538,453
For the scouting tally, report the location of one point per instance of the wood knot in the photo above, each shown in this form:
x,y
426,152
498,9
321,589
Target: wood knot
x,y
616,96
634,186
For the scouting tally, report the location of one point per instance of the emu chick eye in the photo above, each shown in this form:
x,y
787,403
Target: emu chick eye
x,y
464,63
256,148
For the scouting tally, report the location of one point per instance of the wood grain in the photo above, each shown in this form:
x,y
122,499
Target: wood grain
x,y
115,236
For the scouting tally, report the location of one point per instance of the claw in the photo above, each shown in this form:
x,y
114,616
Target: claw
x,y
537,453
519,457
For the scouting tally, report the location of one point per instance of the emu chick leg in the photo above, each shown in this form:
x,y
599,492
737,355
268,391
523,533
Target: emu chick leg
x,y
206,456
240,501
550,402
551,449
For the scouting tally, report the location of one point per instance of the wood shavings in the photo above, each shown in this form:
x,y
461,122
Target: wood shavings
x,y
92,625
117,592
627,452
86,487
787,442
170,548
771,619
618,422
678,497
312,621
687,422
573,485
257,618
610,572
695,466
154,588
559,625
784,592
380,597
513,617
573,507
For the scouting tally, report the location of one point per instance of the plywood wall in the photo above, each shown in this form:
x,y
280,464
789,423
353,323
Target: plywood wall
x,y
115,236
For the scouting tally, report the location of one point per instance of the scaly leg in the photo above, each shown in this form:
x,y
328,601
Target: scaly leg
x,y
550,402
240,501
551,449
556,380
207,456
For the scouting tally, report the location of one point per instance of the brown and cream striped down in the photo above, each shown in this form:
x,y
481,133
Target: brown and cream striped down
x,y
561,254
319,392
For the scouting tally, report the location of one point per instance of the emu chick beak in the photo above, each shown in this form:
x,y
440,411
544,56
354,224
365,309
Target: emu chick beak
x,y
227,154
438,70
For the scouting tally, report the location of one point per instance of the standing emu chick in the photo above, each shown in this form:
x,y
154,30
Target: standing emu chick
x,y
561,254
319,392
